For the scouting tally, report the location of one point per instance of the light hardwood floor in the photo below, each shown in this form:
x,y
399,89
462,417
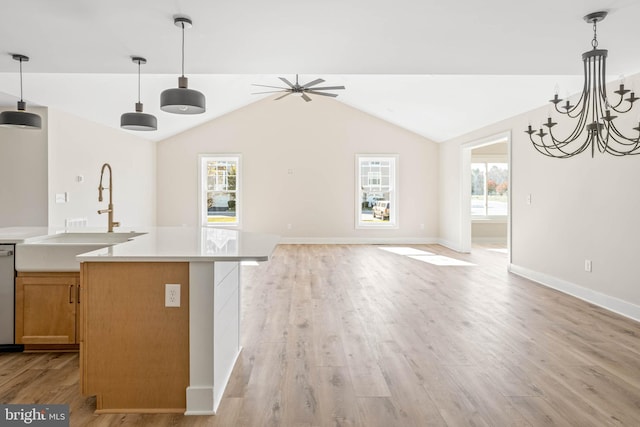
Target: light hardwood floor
x,y
352,335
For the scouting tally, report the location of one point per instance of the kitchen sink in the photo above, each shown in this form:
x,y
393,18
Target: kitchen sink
x,y
90,238
57,252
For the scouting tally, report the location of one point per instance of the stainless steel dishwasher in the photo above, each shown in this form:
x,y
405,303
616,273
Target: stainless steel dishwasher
x,y
7,298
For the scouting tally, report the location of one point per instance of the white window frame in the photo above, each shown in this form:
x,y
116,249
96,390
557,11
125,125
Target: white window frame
x,y
486,159
203,159
394,198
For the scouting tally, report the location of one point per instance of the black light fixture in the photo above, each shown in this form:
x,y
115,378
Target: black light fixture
x,y
595,126
20,118
138,120
182,100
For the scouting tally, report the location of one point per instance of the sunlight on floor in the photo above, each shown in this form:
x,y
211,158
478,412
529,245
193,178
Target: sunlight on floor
x,y
399,250
425,256
442,260
501,250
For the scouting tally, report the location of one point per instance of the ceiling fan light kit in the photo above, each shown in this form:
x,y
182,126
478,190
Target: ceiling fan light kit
x,y
182,100
302,91
20,118
138,121
595,125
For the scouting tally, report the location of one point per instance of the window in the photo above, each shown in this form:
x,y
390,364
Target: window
x,y
489,189
376,192
220,190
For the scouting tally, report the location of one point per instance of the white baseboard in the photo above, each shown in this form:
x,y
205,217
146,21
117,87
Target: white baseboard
x,y
610,303
451,245
358,240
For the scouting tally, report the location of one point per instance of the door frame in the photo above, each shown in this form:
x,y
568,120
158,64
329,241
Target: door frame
x,y
465,188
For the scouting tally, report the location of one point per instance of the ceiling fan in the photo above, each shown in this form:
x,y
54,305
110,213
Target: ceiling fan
x,y
301,90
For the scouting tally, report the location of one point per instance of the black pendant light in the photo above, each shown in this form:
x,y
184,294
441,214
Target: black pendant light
x,y
138,120
182,100
20,118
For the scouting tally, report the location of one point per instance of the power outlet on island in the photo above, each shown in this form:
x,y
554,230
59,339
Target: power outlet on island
x,y
172,295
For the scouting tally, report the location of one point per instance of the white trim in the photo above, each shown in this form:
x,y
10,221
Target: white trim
x,y
610,303
359,241
450,245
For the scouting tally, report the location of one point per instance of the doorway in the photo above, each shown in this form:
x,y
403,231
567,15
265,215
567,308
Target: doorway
x,y
486,188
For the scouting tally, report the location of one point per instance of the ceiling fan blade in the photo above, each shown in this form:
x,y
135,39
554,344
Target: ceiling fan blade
x,y
270,91
286,94
328,88
315,82
305,97
275,87
286,81
333,95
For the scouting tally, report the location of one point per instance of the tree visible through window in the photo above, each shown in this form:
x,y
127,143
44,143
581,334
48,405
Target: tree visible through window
x,y
489,189
376,191
220,189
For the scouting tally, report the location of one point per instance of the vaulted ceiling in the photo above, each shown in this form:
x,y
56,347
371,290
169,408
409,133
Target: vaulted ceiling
x,y
437,68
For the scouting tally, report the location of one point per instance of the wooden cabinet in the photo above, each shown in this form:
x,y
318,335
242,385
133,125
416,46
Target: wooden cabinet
x,y
47,308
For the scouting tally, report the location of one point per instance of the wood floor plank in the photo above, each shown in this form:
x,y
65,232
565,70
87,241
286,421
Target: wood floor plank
x,y
358,336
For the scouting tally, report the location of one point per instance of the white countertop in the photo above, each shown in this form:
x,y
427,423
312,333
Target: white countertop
x,y
162,244
188,244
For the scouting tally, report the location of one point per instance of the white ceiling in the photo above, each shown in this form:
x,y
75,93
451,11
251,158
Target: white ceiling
x,y
437,68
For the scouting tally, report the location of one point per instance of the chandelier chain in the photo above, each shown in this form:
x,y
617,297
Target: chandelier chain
x,y
594,42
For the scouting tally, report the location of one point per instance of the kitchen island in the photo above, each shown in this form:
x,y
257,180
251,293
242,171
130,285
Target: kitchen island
x,y
149,347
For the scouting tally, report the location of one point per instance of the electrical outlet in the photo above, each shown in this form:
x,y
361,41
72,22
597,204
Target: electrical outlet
x,y
587,265
172,295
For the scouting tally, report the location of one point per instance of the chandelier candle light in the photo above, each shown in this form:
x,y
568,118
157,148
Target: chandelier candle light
x,y
594,113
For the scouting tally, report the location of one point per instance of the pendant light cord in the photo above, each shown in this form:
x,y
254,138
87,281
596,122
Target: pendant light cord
x,y
21,100
138,81
182,24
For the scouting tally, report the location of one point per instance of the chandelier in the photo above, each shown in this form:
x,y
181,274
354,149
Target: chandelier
x,y
594,113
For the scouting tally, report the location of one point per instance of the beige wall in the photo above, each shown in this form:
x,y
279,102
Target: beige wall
x,y
582,208
23,174
318,142
78,147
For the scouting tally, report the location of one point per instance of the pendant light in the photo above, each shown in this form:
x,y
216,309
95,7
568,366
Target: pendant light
x,y
182,100
20,118
138,120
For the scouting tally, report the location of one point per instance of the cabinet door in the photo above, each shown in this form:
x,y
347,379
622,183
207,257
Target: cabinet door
x,y
46,309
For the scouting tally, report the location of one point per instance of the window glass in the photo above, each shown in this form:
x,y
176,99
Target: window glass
x,y
376,191
220,187
489,189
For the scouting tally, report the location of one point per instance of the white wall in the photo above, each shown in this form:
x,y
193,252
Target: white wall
x,y
582,208
318,141
78,147
23,174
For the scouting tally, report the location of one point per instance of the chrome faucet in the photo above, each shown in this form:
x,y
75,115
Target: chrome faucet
x,y
109,209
